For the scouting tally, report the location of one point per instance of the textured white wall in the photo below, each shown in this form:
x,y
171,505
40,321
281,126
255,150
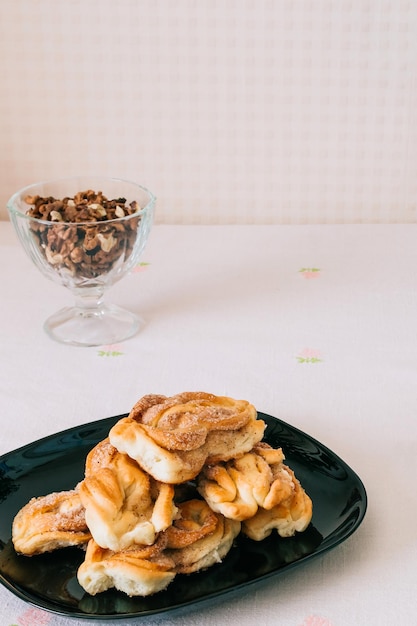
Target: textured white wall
x,y
247,111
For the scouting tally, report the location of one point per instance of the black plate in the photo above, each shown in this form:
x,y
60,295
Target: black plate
x,y
56,463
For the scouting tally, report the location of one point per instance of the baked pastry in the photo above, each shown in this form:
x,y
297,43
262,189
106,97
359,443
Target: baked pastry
x,y
199,537
258,489
137,571
237,488
49,522
196,540
124,506
291,515
167,493
171,438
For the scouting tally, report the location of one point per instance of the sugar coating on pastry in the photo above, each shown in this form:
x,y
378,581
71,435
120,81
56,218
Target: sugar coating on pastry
x,y
135,571
172,437
291,515
49,522
238,487
199,537
137,506
123,504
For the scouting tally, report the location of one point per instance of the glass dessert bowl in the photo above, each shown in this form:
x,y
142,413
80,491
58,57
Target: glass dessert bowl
x,y
85,233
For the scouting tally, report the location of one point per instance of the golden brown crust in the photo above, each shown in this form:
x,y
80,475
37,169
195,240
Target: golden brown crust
x,y
138,538
199,538
171,438
123,505
259,490
196,540
195,521
191,409
238,487
136,571
291,515
49,522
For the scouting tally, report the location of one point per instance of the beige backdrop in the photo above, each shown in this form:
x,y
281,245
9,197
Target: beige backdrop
x,y
248,111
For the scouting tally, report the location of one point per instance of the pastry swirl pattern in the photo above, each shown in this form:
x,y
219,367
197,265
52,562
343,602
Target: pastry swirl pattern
x,y
167,493
172,438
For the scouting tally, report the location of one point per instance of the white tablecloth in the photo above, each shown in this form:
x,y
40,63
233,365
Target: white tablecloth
x,y
315,325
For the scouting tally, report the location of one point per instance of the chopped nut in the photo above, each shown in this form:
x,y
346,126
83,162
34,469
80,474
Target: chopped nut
x,y
77,255
31,199
53,258
56,216
106,243
86,239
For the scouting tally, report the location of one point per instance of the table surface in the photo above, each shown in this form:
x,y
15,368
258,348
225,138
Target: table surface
x,y
315,325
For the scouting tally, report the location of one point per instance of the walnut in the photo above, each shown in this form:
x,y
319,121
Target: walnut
x,y
86,238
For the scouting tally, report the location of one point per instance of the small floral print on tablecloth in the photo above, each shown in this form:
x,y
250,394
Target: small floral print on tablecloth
x,y
310,272
140,267
316,620
112,349
34,617
309,355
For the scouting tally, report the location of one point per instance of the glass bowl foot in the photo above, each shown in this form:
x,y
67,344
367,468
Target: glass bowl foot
x,y
105,325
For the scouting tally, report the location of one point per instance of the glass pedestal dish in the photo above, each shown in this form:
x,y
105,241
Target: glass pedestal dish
x,y
85,233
